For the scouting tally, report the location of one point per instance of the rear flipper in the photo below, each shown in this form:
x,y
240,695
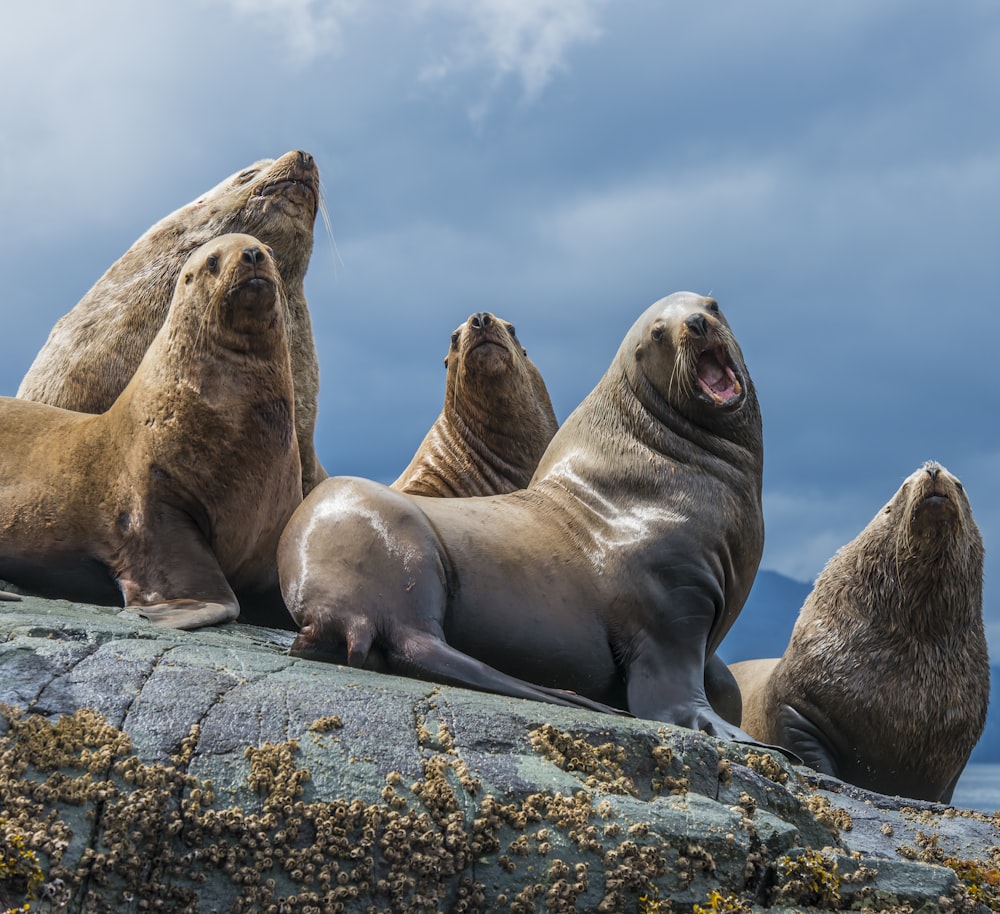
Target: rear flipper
x,y
429,658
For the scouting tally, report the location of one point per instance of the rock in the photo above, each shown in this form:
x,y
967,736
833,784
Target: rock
x,y
147,769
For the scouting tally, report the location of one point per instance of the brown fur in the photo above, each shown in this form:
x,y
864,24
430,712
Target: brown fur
x,y
885,681
95,348
174,497
614,574
496,421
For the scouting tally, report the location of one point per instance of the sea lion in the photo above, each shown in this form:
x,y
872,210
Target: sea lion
x,y
496,421
885,680
174,497
94,349
614,574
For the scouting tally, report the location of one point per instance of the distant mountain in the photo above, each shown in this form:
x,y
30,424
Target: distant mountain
x,y
765,625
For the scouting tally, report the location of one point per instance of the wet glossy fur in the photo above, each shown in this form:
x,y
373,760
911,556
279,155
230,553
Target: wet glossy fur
x,y
614,574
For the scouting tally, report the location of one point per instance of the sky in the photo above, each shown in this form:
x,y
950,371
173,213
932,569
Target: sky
x,y
830,172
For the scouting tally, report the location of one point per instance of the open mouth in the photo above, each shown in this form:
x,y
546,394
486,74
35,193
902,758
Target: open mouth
x,y
716,378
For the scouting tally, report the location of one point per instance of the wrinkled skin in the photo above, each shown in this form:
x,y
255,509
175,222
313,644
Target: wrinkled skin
x,y
614,575
885,680
496,421
171,501
95,348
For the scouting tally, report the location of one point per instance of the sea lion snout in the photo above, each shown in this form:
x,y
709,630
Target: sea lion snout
x,y
697,324
253,256
481,320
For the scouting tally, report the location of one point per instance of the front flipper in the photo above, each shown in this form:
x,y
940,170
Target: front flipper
x,y
667,681
430,658
171,577
187,613
7,597
723,690
801,736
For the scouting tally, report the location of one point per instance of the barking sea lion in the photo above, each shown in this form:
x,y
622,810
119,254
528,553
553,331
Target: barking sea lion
x,y
615,574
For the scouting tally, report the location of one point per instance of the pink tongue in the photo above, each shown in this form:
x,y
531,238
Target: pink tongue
x,y
713,375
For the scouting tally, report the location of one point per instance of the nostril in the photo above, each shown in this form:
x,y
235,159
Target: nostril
x,y
933,472
253,255
697,324
304,158
480,321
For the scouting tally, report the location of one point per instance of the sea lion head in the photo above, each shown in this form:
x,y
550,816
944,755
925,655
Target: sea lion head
x,y
231,281
484,349
484,343
930,513
275,200
683,350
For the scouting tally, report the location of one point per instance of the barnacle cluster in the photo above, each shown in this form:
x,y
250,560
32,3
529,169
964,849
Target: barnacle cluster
x,y
600,766
107,830
833,817
603,766
766,765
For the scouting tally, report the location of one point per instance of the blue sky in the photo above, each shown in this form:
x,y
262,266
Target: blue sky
x,y
830,172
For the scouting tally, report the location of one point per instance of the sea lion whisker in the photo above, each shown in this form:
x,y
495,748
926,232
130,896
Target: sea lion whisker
x,y
331,238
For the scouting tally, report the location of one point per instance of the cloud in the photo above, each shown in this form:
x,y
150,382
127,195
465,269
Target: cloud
x,y
311,28
524,39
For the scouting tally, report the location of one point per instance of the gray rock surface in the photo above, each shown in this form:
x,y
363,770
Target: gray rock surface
x,y
144,769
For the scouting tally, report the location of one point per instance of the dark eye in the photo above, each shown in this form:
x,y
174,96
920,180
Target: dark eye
x,y
712,306
270,252
513,332
245,176
959,486
657,334
454,339
212,263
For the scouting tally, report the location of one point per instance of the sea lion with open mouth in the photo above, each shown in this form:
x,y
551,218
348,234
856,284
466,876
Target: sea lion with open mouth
x,y
614,574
